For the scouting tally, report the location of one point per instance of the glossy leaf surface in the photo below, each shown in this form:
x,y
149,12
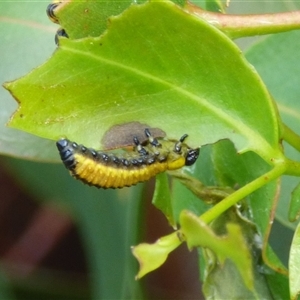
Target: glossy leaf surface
x,y
294,210
237,170
87,18
162,198
294,265
198,234
90,18
91,84
280,72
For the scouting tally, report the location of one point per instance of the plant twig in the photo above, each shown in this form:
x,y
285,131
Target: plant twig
x,y
244,191
290,137
237,26
209,194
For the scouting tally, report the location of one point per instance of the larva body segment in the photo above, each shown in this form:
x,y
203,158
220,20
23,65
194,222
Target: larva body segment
x,y
50,11
107,176
107,170
61,32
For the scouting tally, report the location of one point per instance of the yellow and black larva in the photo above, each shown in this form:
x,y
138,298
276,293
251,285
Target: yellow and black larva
x,y
51,15
108,170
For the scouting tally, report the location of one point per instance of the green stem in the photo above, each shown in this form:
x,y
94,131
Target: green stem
x,y
237,26
291,137
232,199
292,167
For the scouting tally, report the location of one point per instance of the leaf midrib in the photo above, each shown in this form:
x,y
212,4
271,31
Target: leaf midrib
x,y
265,149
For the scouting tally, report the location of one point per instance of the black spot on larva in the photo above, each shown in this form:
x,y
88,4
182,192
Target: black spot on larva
x,y
94,153
125,162
116,160
105,157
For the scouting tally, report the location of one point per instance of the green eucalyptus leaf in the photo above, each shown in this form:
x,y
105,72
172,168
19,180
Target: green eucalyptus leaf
x,y
162,198
28,39
226,283
294,209
278,284
152,256
87,18
230,246
158,65
294,265
236,170
280,72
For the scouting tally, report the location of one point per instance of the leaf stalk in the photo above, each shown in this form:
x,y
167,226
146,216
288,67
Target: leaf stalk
x,y
236,26
290,137
238,195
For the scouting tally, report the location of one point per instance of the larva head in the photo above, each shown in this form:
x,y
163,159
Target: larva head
x,y
180,154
